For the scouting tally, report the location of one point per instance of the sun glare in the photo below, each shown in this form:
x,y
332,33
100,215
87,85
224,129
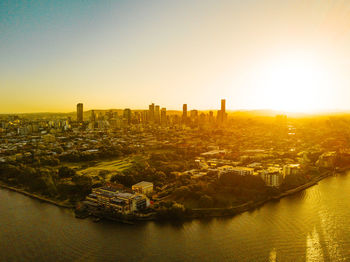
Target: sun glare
x,y
294,83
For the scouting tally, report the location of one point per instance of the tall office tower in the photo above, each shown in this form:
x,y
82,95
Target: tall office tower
x,y
221,116
80,112
151,112
194,114
92,123
211,116
157,115
163,119
184,112
202,118
93,116
127,115
137,118
145,116
223,106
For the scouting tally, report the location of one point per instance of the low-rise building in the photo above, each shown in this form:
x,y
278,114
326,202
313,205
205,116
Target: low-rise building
x,y
272,176
143,187
111,198
291,169
214,153
238,170
327,160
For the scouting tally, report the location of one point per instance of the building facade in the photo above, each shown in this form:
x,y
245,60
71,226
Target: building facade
x,y
143,187
273,177
80,117
113,199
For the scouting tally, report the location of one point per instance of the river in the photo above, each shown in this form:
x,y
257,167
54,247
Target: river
x,y
312,225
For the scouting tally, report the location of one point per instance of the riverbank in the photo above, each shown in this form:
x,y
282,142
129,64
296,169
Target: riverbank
x,y
36,196
220,212
196,212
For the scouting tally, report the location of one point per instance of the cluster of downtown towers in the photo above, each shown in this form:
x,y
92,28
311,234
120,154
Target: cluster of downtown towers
x,y
155,114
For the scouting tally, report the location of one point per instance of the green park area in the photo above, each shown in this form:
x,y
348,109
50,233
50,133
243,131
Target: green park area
x,y
106,169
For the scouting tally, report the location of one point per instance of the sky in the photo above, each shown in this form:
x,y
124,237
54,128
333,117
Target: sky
x,y
273,54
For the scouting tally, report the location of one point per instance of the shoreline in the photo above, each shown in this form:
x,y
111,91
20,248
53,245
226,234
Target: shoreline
x,y
35,196
196,212
248,206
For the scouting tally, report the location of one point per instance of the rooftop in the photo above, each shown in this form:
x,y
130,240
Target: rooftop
x,y
143,184
125,195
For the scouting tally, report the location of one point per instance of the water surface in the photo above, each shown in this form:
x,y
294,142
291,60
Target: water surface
x,y
313,225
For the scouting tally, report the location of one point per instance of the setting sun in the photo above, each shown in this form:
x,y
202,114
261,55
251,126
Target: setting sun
x,y
294,83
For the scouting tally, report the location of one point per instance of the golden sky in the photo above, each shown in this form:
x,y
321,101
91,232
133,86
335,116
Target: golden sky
x,y
284,55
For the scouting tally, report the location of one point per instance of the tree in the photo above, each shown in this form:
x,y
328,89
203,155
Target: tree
x,y
174,211
160,176
66,172
83,184
206,201
181,192
125,180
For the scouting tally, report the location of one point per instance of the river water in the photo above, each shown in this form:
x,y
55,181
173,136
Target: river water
x,y
313,225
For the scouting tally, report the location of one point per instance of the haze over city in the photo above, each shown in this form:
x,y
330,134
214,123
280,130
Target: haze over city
x,y
281,55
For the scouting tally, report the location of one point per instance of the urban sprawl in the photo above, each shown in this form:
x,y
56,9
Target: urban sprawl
x,y
158,163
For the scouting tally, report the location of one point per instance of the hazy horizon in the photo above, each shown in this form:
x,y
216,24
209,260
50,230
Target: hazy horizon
x,y
260,112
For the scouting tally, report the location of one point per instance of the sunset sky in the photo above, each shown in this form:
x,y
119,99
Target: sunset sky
x,y
285,55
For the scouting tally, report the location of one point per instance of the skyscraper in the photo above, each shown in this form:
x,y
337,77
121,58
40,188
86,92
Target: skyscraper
x,y
80,113
151,113
163,119
127,115
222,112
194,114
223,106
157,114
211,116
184,112
93,116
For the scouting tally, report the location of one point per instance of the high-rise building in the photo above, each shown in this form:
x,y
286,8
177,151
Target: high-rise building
x,y
151,113
223,106
127,115
222,112
194,114
163,118
157,114
145,116
80,112
211,116
184,112
93,116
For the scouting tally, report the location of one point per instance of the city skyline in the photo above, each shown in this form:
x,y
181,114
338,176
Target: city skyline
x,y
259,55
155,115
